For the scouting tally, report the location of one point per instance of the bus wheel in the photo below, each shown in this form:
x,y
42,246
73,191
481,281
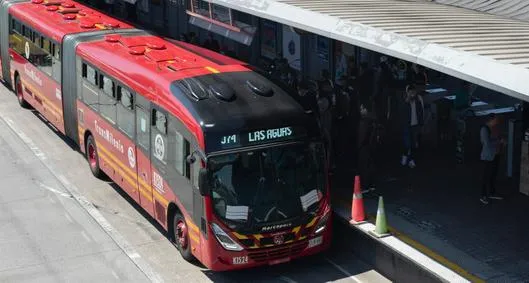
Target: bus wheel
x,y
91,156
20,93
181,237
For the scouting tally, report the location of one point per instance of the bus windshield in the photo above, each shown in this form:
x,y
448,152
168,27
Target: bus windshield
x,y
267,185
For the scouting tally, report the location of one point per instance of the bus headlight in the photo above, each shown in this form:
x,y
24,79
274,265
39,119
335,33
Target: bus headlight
x,y
320,227
224,239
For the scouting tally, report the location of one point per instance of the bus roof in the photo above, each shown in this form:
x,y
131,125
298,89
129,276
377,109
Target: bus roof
x,y
57,18
209,92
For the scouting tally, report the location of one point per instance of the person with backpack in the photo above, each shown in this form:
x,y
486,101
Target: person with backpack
x,y
367,142
492,144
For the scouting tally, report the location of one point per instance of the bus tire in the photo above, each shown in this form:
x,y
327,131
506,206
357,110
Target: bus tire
x,y
19,91
180,236
93,157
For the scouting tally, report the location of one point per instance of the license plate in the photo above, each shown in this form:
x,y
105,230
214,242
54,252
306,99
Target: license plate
x,y
315,241
278,261
240,260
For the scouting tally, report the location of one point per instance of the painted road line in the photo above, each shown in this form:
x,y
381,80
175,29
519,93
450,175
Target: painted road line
x,y
57,192
422,254
85,236
68,217
343,270
120,241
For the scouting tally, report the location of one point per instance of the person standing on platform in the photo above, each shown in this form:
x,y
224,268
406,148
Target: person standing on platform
x,y
492,145
367,141
412,111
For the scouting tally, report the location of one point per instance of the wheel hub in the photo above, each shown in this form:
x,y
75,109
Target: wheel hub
x,y
181,234
92,155
20,93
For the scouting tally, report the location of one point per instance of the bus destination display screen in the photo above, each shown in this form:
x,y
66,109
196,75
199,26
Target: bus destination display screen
x,y
260,137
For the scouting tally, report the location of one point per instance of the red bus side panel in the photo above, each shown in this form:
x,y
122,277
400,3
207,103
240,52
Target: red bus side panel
x,y
40,90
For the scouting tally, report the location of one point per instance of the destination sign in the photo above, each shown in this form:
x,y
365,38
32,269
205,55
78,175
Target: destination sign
x,y
260,136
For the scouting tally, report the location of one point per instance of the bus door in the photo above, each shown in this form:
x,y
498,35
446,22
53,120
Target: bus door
x,y
143,156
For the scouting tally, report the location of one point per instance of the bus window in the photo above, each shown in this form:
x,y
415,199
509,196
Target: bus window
x,y
90,74
26,32
142,128
125,111
16,40
160,121
179,153
89,92
159,138
107,85
46,45
107,102
187,151
16,26
42,57
56,61
36,39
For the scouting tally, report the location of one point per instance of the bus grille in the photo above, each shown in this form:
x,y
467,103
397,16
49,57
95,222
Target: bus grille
x,y
284,251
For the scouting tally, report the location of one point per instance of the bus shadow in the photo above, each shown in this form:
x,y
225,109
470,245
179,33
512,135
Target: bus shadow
x,y
50,126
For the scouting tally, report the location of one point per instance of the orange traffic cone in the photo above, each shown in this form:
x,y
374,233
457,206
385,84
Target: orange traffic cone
x,y
358,215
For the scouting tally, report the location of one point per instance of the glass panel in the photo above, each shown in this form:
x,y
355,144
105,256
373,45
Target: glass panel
x,y
179,153
276,183
142,128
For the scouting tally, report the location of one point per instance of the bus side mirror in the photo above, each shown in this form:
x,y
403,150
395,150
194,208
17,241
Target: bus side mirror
x,y
203,186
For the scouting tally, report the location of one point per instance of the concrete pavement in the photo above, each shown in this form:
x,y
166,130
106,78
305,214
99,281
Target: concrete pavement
x,y
45,236
58,223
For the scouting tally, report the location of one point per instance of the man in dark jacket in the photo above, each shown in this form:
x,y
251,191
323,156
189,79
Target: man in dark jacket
x,y
383,84
412,113
367,141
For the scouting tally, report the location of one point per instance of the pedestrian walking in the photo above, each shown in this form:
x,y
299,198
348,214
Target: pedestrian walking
x,y
492,145
412,110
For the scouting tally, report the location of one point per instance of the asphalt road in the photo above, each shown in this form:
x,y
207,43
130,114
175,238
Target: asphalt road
x,y
60,224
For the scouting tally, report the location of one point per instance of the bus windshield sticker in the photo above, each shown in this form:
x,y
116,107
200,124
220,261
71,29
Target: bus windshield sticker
x,y
237,212
309,199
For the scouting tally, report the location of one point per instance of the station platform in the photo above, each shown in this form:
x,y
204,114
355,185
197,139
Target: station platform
x,y
435,209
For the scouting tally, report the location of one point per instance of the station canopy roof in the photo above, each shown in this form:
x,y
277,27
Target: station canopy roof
x,y
485,49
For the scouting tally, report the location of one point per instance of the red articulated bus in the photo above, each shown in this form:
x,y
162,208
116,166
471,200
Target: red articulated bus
x,y
224,159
